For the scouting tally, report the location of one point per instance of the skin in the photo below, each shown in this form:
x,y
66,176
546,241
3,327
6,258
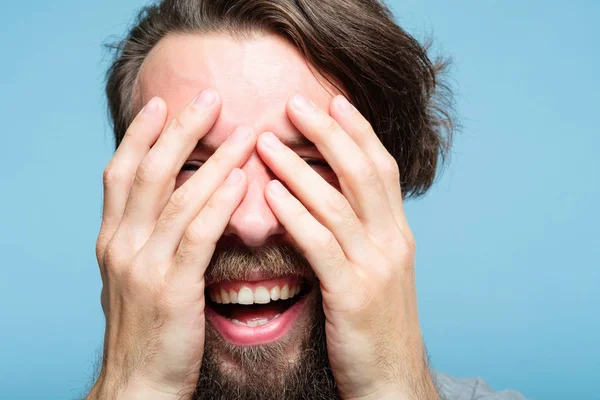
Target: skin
x,y
160,224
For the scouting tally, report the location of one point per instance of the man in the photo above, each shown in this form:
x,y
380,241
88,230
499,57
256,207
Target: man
x,y
253,241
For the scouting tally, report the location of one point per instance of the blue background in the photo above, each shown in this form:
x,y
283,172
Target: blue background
x,y
508,242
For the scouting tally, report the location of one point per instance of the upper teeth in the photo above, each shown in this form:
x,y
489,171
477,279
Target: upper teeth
x,y
260,295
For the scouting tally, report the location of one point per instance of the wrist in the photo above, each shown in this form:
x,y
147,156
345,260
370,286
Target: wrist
x,y
143,390
397,394
424,389
117,389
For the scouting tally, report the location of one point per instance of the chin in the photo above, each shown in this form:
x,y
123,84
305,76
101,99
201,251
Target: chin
x,y
288,361
265,328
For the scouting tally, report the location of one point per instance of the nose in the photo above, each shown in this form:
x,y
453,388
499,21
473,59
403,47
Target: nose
x,y
253,222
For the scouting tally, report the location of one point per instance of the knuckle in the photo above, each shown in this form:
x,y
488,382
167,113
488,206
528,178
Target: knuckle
x,y
366,170
112,175
180,122
407,247
100,250
184,121
364,126
197,232
386,276
145,275
167,219
112,257
301,213
411,245
336,202
133,280
150,170
185,254
212,205
104,301
389,167
325,240
119,253
180,199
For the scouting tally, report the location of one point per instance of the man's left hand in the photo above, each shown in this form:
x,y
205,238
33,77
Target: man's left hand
x,y
360,246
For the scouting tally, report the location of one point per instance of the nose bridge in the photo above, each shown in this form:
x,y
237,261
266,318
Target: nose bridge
x,y
253,222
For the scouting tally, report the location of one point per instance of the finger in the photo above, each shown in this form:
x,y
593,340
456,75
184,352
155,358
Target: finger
x,y
359,129
187,201
120,171
327,204
201,235
359,179
156,175
318,245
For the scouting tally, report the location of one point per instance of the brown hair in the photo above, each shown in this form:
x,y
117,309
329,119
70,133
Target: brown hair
x,y
355,44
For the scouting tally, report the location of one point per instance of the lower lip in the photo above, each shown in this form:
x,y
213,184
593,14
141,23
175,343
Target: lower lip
x,y
270,332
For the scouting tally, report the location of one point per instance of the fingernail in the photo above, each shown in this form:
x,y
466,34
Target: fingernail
x,y
271,141
344,105
302,104
206,98
235,176
277,189
151,107
241,133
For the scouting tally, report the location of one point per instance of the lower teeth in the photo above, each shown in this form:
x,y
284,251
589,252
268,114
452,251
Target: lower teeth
x,y
254,322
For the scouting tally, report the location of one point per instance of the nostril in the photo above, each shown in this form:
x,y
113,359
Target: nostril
x,y
253,229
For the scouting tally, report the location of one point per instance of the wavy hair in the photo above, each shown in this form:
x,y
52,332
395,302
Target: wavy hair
x,y
354,44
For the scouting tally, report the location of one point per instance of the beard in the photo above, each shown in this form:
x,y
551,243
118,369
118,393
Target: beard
x,y
294,367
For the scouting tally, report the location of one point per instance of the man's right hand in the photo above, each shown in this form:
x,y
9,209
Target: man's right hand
x,y
155,243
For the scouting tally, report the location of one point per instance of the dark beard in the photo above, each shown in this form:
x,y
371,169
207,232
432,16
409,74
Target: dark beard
x,y
265,372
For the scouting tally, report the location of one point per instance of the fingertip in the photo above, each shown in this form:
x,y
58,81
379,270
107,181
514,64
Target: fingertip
x,y
207,99
276,189
296,104
162,104
153,107
241,134
151,118
341,105
302,104
269,141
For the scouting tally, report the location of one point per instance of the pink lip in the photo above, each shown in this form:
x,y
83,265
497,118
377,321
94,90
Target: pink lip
x,y
252,336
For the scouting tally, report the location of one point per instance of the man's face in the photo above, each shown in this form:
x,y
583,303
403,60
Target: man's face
x,y
257,350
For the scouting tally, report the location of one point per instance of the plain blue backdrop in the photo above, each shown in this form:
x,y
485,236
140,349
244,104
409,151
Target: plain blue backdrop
x,y
508,242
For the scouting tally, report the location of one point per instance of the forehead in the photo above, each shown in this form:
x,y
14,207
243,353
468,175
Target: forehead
x,y
255,77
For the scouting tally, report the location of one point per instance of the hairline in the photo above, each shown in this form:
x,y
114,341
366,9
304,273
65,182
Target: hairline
x,y
236,33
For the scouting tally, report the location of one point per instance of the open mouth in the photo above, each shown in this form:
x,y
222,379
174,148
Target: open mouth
x,y
249,313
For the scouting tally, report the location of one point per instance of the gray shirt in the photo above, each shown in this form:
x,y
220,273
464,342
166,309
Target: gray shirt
x,y
451,388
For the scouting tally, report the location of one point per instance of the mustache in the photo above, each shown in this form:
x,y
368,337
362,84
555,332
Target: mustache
x,y
236,262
